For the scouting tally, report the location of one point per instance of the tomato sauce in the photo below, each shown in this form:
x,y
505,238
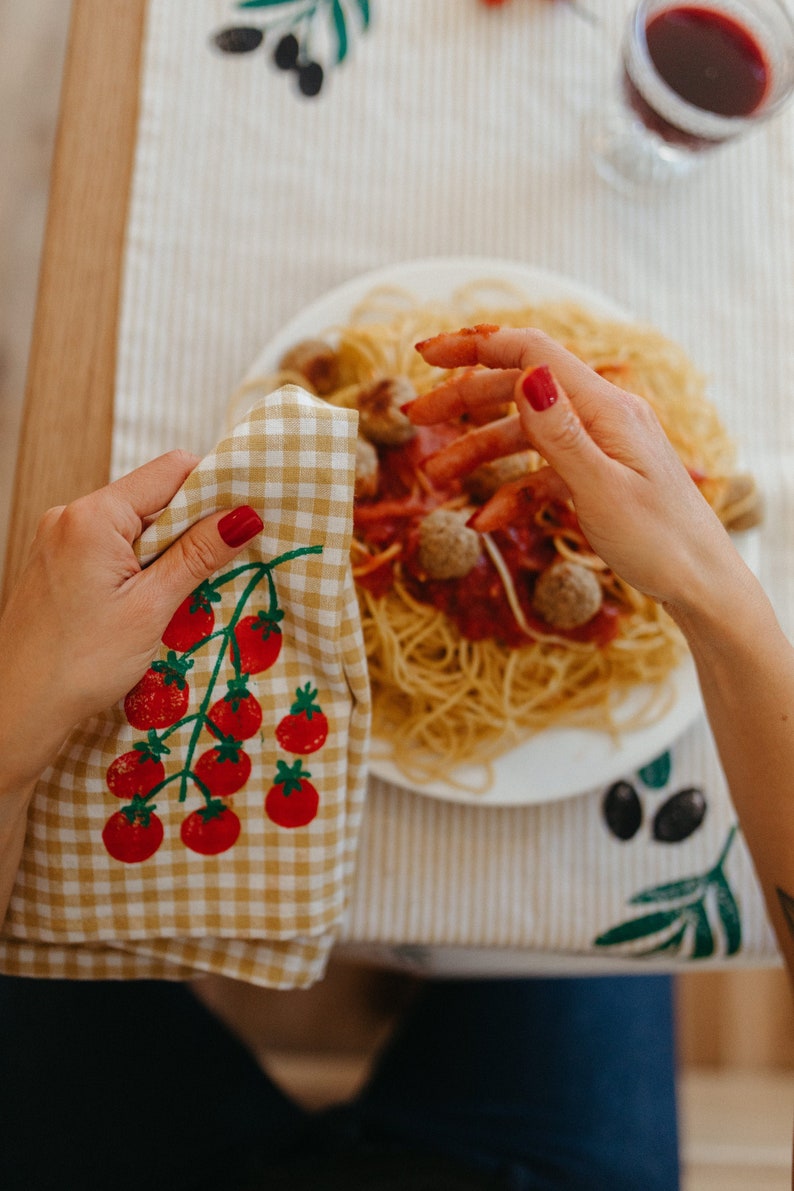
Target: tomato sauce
x,y
477,603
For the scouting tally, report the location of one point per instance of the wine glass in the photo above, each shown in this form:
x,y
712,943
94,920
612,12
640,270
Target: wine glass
x,y
692,77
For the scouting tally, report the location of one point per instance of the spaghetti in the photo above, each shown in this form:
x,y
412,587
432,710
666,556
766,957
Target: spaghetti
x,y
463,669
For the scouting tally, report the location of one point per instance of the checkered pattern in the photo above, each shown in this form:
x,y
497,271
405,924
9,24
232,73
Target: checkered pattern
x,y
267,909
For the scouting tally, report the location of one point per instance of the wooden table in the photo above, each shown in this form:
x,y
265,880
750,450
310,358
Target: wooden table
x,y
65,439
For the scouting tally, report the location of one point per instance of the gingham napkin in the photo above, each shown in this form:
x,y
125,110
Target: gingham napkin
x,y
179,833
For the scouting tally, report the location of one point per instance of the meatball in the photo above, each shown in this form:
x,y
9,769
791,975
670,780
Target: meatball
x,y
488,478
448,548
567,595
366,468
742,504
380,418
317,361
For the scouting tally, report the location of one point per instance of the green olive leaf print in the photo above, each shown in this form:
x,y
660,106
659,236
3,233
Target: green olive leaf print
x,y
340,27
657,773
695,911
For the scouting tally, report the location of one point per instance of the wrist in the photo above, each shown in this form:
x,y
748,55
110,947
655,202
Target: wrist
x,y
722,608
32,733
14,802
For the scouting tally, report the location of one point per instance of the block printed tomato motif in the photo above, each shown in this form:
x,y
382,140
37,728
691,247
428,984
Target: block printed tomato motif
x,y
162,696
163,703
305,728
134,833
211,829
224,769
139,770
292,800
238,713
193,620
258,641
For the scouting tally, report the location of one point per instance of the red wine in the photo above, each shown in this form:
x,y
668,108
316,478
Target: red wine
x,y
708,59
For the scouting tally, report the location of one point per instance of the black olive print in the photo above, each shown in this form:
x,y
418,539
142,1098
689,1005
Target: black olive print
x,y
286,52
297,32
240,39
678,817
310,78
622,810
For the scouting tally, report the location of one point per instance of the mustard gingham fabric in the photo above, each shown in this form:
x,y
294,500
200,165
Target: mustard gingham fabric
x,y
281,621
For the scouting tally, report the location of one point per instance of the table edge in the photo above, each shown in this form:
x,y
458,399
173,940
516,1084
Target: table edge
x,y
67,421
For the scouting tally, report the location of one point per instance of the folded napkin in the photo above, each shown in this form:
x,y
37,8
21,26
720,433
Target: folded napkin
x,y
208,822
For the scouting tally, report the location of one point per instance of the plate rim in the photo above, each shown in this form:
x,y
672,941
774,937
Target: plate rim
x,y
636,747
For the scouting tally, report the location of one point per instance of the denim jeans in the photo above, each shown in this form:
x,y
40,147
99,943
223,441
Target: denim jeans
x,y
538,1084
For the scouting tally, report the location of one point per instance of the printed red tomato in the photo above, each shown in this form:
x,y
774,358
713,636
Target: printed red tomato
x,y
162,695
305,729
193,620
223,769
211,829
136,772
134,833
258,641
291,801
238,713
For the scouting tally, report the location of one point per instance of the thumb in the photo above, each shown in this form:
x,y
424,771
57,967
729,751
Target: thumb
x,y
201,550
555,429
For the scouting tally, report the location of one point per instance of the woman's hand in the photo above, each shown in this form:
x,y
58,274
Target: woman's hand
x,y
637,505
84,621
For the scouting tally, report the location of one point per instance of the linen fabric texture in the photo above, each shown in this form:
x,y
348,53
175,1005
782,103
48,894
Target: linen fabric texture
x,y
268,907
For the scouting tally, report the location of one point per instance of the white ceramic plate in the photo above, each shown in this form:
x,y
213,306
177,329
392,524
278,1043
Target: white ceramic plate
x,y
560,762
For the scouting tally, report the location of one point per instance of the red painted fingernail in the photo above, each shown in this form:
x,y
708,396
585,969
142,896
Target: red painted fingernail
x,y
240,525
539,388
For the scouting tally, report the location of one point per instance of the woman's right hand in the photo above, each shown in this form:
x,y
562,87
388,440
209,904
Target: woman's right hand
x,y
637,505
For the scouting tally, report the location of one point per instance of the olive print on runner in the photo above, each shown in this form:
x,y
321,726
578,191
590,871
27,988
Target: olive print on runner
x,y
622,810
305,38
674,821
160,705
693,917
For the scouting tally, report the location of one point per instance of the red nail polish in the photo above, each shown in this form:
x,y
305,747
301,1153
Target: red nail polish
x,y
240,525
539,388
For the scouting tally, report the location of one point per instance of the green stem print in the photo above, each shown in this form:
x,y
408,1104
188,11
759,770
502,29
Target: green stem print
x,y
250,643
685,917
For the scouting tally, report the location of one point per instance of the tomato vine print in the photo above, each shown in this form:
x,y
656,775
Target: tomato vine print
x,y
292,800
215,764
305,728
299,32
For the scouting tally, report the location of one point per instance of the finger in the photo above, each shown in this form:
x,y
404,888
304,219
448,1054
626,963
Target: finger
x,y
473,391
505,437
515,501
201,551
151,487
455,349
553,426
510,347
